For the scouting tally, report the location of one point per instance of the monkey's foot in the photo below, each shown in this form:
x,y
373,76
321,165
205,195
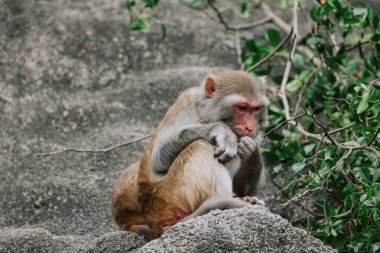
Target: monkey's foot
x,y
254,200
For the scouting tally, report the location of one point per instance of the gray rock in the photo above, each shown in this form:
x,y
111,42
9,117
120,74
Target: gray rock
x,y
26,240
118,242
72,75
33,240
250,229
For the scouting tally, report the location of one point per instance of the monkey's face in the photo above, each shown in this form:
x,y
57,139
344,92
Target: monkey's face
x,y
246,115
239,100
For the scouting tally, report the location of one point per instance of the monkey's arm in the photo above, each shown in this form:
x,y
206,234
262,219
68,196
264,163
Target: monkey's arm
x,y
171,142
247,178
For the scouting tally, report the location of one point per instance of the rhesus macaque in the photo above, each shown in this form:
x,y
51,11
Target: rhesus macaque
x,y
202,152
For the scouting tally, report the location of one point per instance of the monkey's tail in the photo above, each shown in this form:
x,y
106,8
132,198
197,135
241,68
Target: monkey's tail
x,y
221,203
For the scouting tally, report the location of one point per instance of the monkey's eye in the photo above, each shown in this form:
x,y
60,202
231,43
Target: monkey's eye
x,y
242,108
256,109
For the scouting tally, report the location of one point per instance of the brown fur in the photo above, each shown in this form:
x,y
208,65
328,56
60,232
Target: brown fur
x,y
148,202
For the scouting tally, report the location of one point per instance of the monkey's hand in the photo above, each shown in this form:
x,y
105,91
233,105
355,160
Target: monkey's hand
x,y
225,141
246,147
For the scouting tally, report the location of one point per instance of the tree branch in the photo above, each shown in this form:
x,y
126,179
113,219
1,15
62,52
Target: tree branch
x,y
315,214
93,151
272,53
238,49
275,19
237,27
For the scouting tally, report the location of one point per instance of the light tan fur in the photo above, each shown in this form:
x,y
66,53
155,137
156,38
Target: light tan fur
x,y
147,200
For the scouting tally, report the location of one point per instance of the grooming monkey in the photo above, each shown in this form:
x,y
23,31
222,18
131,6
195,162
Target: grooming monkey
x,y
204,150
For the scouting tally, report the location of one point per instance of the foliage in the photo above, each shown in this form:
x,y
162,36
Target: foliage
x,y
340,183
141,18
332,92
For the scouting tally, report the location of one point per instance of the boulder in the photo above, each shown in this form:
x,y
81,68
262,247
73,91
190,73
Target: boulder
x,y
249,229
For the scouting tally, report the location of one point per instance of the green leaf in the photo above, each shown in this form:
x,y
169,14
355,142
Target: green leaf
x,y
376,175
308,148
375,21
329,153
298,81
359,11
163,31
342,214
129,4
363,197
337,223
274,36
351,143
150,3
363,105
142,24
243,8
376,109
375,247
298,167
277,169
314,15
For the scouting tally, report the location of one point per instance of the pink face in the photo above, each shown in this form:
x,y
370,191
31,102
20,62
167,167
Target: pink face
x,y
246,116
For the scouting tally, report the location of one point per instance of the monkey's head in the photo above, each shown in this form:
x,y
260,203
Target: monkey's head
x,y
238,99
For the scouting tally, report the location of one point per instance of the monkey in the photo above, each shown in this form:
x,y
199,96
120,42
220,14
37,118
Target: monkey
x,y
202,152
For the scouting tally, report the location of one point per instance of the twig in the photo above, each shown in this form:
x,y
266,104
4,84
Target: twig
x,y
315,214
94,151
238,49
357,45
275,19
273,52
252,25
301,195
236,27
361,53
347,127
320,125
219,14
285,78
341,129
374,137
365,147
302,91
283,122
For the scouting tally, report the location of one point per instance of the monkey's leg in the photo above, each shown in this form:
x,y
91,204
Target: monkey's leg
x,y
195,184
126,210
195,176
247,179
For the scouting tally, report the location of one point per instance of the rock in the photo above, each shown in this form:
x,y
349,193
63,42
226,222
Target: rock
x,y
72,75
37,240
249,229
26,240
118,242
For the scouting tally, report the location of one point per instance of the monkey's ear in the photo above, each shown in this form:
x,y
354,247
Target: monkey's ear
x,y
210,85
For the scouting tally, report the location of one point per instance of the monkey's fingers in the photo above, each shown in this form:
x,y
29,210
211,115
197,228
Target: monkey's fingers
x,y
249,143
243,150
219,150
254,200
228,155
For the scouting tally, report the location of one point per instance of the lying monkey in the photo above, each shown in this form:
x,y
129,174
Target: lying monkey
x,y
202,152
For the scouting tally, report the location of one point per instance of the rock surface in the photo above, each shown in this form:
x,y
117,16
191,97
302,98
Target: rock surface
x,y
72,75
249,229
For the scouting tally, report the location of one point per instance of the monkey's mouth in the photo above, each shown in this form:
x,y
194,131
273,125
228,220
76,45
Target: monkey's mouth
x,y
244,131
